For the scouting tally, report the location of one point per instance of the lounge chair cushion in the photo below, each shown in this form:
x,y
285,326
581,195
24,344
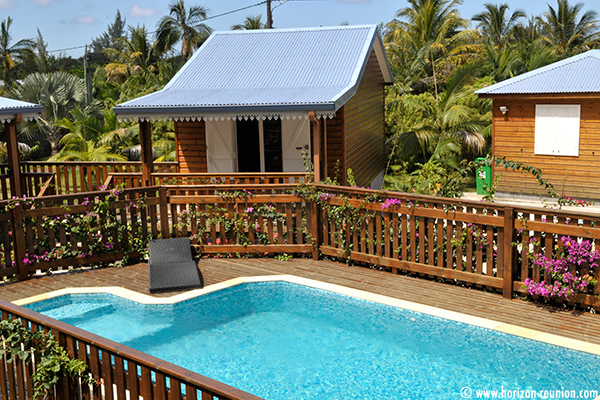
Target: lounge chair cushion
x,y
171,266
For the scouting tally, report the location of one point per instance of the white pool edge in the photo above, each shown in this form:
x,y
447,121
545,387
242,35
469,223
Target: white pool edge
x,y
515,330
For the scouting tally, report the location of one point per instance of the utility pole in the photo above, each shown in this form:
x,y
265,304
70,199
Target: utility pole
x,y
87,75
269,24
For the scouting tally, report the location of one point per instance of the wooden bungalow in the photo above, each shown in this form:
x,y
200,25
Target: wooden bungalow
x,y
253,101
550,119
13,112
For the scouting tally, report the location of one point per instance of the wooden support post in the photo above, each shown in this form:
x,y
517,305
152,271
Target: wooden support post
x,y
12,148
164,213
316,142
508,250
324,158
315,228
147,158
19,245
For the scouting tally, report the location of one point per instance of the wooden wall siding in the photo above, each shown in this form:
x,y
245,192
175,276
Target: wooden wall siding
x,y
335,145
513,138
191,146
364,117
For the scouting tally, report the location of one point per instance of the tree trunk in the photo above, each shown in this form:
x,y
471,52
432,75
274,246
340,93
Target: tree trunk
x,y
54,147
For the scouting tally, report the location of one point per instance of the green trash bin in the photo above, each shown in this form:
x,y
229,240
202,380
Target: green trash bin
x,y
483,177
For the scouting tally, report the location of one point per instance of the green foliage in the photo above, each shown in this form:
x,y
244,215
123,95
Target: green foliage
x,y
250,23
284,257
431,178
52,360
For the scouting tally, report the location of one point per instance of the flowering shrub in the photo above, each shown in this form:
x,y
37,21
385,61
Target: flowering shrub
x,y
564,282
323,196
570,201
90,233
390,202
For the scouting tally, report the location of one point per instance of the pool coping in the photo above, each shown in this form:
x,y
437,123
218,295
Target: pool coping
x,y
549,338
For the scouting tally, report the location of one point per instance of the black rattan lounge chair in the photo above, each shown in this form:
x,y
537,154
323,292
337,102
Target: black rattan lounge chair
x,y
171,266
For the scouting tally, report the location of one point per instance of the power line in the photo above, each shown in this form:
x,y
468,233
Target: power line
x,y
205,19
234,11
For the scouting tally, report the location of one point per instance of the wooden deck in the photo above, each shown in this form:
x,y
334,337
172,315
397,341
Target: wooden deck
x,y
573,324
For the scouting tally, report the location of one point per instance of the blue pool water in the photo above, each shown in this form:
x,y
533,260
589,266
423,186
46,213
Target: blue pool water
x,y
284,341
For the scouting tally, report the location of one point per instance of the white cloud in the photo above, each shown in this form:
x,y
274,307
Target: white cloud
x,y
86,20
42,2
140,12
6,4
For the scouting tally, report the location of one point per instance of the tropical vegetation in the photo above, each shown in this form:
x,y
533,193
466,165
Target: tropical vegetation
x,y
434,122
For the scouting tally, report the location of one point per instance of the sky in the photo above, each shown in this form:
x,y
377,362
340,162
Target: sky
x,y
66,24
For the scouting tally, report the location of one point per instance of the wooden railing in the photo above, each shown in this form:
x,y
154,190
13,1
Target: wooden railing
x,y
480,244
247,219
73,177
122,371
423,235
132,180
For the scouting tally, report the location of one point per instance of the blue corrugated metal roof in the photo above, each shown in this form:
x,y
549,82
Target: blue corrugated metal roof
x,y
12,107
578,74
267,70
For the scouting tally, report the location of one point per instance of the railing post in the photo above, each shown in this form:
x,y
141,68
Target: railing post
x,y
164,213
19,245
17,188
508,249
315,229
146,146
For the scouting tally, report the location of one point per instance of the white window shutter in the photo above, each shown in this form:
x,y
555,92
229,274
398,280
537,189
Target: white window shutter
x,y
568,131
545,134
557,129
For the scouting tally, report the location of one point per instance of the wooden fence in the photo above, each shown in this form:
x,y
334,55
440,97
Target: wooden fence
x,y
42,177
122,371
475,243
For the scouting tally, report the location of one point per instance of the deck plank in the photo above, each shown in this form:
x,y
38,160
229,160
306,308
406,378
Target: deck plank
x,y
564,322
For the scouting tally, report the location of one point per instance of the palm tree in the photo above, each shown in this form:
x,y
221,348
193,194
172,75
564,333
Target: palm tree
x,y
496,25
450,127
427,32
10,53
58,93
83,142
562,27
184,25
250,23
136,56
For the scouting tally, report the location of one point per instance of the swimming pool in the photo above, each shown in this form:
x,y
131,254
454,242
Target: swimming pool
x,y
280,340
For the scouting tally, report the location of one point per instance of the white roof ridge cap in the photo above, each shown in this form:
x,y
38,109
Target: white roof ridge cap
x,y
298,29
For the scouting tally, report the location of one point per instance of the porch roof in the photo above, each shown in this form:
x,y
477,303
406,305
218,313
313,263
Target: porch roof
x,y
266,72
10,108
577,74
